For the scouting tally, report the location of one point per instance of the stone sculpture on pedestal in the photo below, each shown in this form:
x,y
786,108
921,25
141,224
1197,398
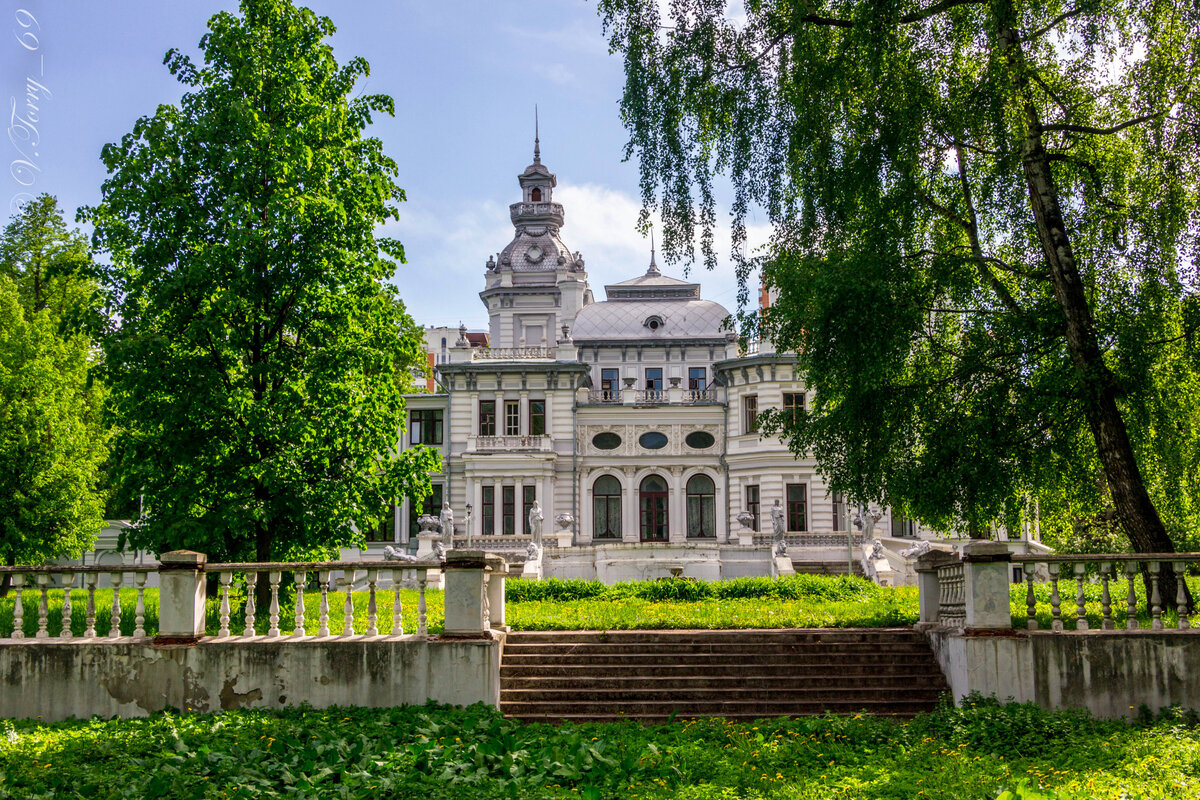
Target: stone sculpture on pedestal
x,y
778,530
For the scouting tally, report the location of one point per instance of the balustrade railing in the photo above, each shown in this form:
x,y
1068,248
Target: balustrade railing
x,y
694,396
60,582
507,443
511,353
651,396
953,597
604,396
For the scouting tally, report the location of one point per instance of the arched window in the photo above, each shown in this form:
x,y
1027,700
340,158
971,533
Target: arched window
x,y
606,508
701,507
652,503
536,195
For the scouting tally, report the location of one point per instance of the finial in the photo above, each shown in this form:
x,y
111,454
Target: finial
x,y
653,266
537,145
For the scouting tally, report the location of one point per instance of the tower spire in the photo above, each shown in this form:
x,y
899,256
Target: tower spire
x,y
537,145
653,266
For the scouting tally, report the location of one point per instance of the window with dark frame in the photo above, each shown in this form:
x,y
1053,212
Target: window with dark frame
x,y
385,531
508,510
701,507
537,417
606,508
425,426
512,417
652,504
752,503
793,405
839,512
654,379
750,409
487,417
488,512
797,507
697,378
528,498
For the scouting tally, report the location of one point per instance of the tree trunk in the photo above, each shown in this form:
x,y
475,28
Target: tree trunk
x,y
1095,381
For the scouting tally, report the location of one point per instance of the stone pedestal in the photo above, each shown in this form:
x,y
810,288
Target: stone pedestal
x,y
562,538
498,573
986,579
465,593
181,597
928,589
783,566
745,537
426,552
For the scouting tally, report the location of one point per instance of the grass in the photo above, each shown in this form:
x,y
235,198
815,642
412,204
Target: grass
x,y
983,750
802,601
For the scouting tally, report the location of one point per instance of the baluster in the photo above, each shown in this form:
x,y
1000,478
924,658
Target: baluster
x,y
323,619
251,584
1181,595
1056,623
1155,598
226,579
274,577
18,583
1106,623
397,608
90,580
487,603
117,578
299,577
1030,601
422,628
1081,623
68,585
372,616
43,581
139,610
1131,621
348,607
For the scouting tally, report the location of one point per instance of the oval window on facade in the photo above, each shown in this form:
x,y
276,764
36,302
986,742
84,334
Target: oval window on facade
x,y
606,441
653,440
700,440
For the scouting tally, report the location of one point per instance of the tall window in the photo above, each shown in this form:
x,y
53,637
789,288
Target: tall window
x,y
697,378
488,512
512,417
654,379
528,498
606,508
537,417
385,531
701,507
431,505
487,417
793,405
900,526
425,426
652,503
797,507
536,195
840,515
610,385
750,411
508,510
752,503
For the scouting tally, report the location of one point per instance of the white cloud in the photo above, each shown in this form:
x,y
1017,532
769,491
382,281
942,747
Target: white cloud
x,y
576,38
556,73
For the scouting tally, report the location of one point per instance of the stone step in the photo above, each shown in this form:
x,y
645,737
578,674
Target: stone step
x,y
745,671
733,716
731,710
825,567
747,635
724,683
588,649
667,694
710,661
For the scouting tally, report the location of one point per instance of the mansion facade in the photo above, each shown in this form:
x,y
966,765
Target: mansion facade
x,y
631,418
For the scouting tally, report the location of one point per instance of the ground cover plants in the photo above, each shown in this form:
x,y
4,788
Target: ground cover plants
x,y
800,601
983,750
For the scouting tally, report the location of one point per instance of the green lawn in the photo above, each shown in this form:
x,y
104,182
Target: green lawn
x,y
803,601
432,752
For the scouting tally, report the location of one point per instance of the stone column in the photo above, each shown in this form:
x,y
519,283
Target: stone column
x,y
523,422
519,510
181,597
495,590
630,521
464,594
676,508
986,579
546,501
928,589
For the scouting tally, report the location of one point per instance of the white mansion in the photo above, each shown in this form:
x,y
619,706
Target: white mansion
x,y
635,415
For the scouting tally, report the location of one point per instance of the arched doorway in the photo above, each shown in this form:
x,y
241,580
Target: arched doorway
x,y
652,502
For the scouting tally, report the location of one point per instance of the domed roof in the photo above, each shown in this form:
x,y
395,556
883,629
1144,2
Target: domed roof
x,y
536,248
650,320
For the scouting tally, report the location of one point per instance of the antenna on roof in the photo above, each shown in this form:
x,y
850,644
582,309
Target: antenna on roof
x,y
537,145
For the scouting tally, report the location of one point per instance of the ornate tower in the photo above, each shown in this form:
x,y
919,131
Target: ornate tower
x,y
536,284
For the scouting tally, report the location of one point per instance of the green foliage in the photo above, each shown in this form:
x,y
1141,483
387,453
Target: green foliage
x,y
254,372
791,587
970,350
982,750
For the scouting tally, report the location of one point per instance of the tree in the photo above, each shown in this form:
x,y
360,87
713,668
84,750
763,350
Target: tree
x,y
983,212
253,369
53,441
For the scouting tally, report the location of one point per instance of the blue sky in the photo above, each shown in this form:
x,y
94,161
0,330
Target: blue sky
x,y
465,77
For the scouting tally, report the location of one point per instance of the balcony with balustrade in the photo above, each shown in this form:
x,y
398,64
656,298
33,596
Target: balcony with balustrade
x,y
673,396
513,354
510,444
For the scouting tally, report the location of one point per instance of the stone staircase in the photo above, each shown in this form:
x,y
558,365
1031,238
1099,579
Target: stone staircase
x,y
825,567
748,674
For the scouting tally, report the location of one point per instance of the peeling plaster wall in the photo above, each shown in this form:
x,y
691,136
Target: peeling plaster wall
x,y
131,678
1111,673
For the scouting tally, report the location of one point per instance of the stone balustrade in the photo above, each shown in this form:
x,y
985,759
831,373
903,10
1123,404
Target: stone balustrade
x,y
508,444
512,353
473,578
972,592
604,396
699,396
651,396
